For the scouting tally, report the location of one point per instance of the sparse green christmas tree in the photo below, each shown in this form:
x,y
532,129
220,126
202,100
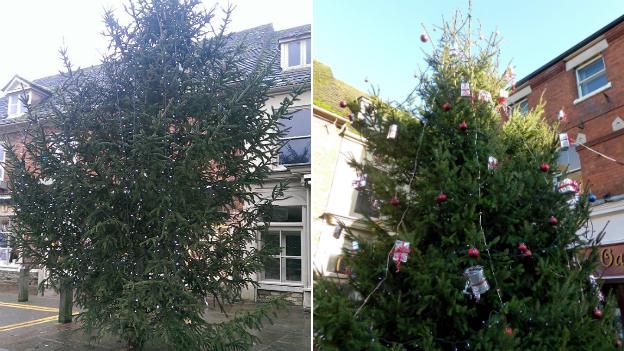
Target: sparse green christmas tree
x,y
135,184
496,257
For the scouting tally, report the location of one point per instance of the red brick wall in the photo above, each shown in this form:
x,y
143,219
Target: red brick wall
x,y
593,116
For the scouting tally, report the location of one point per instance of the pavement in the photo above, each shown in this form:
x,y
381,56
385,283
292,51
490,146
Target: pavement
x,y
33,326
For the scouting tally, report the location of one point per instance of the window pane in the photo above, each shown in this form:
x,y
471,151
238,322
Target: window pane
x,y
12,104
295,151
293,243
308,45
286,214
523,107
272,269
271,240
293,269
362,203
294,54
593,84
568,159
297,123
590,69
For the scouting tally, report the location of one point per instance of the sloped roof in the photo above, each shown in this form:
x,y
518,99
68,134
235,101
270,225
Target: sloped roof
x,y
255,40
329,91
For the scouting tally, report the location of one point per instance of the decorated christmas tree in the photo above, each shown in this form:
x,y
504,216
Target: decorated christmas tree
x,y
134,185
474,246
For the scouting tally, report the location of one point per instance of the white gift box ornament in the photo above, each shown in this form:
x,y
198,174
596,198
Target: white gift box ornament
x,y
355,245
568,185
392,131
485,96
361,182
562,116
564,141
465,89
400,252
492,163
476,281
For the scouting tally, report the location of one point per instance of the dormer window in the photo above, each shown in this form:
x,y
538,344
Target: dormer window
x,y
296,53
16,105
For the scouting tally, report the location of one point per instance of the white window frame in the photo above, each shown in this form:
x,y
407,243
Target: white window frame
x,y
595,75
2,159
282,255
303,53
287,139
286,227
283,284
15,99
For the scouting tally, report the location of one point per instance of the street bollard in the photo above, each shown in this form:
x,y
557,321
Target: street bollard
x,y
24,280
65,302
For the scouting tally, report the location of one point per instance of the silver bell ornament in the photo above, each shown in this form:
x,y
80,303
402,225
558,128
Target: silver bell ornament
x,y
476,281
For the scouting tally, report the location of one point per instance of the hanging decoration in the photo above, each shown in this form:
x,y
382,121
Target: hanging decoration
x,y
596,288
392,131
463,126
553,220
503,95
473,252
355,245
592,197
564,141
597,313
544,167
343,103
492,163
522,247
476,282
568,186
400,252
465,89
510,77
485,96
562,116
446,106
441,198
424,38
394,201
361,182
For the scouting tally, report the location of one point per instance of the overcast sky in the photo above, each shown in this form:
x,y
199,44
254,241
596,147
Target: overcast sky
x,y
34,30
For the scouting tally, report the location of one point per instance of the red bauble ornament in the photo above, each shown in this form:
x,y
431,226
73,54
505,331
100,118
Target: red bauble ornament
x,y
597,313
394,201
424,38
509,331
502,100
343,103
350,117
463,126
553,220
446,106
473,252
528,253
522,247
441,198
544,167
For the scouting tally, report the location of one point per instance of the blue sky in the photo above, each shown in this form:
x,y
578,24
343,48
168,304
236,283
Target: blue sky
x,y
379,40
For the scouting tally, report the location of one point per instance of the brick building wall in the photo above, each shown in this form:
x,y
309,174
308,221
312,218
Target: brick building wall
x,y
596,117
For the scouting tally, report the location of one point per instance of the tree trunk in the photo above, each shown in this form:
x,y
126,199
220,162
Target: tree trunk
x,y
65,303
24,282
